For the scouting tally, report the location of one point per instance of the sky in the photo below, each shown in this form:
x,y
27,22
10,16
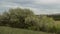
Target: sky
x,y
38,6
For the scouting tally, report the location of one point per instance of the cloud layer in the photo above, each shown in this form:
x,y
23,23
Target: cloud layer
x,y
39,6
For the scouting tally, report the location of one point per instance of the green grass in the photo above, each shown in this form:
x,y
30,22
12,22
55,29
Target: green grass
x,y
9,30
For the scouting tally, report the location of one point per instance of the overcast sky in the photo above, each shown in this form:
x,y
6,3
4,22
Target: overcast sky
x,y
39,6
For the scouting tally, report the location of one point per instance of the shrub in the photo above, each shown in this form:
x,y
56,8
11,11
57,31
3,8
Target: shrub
x,y
46,23
32,22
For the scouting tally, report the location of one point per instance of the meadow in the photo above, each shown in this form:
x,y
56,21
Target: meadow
x,y
9,30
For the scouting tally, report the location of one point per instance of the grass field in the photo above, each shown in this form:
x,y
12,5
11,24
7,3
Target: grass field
x,y
57,23
9,30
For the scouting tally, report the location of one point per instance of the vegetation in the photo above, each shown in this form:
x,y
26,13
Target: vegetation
x,y
26,19
9,30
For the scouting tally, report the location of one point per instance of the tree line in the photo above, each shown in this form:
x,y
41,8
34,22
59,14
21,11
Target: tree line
x,y
26,19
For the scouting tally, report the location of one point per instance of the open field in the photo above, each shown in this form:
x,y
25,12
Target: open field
x,y
57,22
9,30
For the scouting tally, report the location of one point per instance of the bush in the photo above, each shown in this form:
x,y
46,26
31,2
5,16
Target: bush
x,y
46,23
32,22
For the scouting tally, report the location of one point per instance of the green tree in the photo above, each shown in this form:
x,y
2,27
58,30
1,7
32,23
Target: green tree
x,y
16,17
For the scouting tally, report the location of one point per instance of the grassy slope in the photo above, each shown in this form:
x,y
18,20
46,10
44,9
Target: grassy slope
x,y
9,30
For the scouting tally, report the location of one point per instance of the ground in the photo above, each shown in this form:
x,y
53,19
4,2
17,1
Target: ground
x,y
9,30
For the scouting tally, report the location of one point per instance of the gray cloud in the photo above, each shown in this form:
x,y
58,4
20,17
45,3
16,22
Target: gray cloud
x,y
39,6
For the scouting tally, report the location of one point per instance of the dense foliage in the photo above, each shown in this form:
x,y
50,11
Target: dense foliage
x,y
26,19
